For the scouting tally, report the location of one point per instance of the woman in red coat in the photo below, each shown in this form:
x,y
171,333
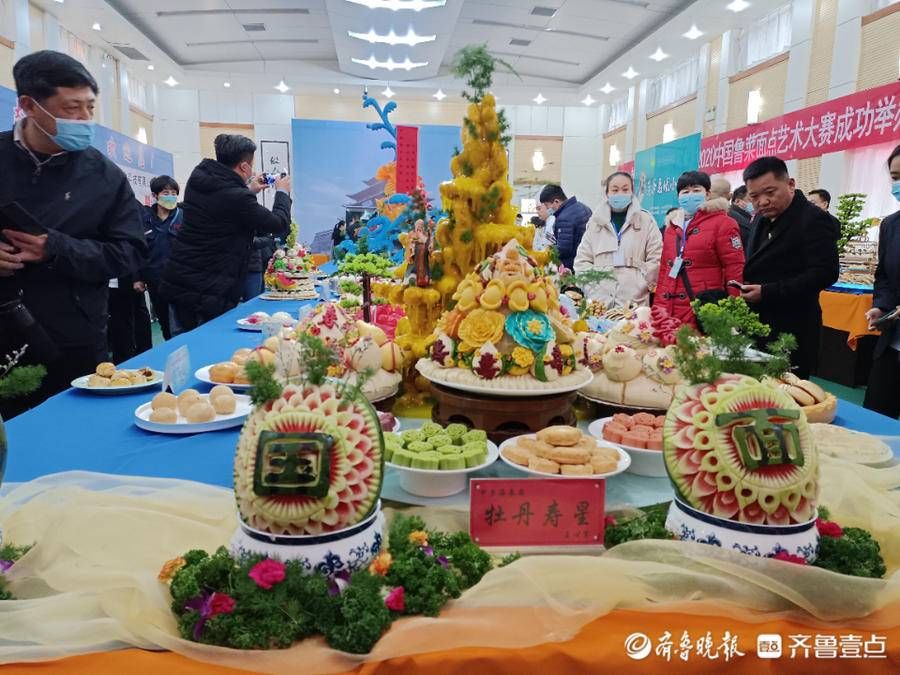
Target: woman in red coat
x,y
702,249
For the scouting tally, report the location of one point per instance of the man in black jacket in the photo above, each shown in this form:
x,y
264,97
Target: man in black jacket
x,y
792,257
205,274
88,209
742,212
571,217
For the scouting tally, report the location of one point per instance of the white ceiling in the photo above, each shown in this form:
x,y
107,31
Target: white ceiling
x,y
572,52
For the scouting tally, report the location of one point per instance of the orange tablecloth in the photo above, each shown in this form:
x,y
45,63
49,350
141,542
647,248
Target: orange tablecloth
x,y
847,312
599,647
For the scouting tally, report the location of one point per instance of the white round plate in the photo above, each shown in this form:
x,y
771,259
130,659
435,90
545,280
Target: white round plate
x,y
435,377
623,464
622,406
643,462
275,295
244,324
202,374
236,419
82,383
435,483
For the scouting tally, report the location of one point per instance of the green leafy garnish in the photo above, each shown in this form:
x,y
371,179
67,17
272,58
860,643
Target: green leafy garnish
x,y
265,387
856,553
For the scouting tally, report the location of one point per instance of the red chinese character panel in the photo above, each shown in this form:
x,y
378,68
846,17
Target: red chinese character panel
x,y
536,512
407,158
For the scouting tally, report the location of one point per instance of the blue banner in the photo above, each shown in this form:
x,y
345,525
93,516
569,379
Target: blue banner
x,y
656,172
338,168
7,108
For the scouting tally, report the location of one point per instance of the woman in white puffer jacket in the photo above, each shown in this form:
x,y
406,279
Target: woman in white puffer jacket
x,y
624,239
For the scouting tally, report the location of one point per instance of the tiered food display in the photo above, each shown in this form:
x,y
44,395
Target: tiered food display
x,y
291,274
634,363
505,332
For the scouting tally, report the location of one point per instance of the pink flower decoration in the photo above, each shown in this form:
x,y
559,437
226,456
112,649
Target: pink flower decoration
x,y
221,603
829,529
266,573
609,521
395,600
784,556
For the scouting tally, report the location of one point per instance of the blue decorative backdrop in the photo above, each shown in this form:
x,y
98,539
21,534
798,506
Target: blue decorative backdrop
x,y
656,171
332,160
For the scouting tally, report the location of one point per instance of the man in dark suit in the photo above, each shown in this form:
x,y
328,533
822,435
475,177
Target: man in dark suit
x,y
791,258
742,211
883,392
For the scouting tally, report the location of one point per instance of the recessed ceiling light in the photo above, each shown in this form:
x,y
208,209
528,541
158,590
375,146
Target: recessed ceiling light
x,y
96,26
738,6
399,5
693,33
282,87
387,92
226,84
411,39
336,90
607,88
588,100
659,55
439,95
539,99
630,74
390,64
151,67
171,81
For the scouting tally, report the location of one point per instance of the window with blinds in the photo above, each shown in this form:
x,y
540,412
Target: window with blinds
x,y
763,39
618,113
137,92
72,45
673,85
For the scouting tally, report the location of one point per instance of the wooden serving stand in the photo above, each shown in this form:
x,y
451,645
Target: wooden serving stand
x,y
502,417
606,409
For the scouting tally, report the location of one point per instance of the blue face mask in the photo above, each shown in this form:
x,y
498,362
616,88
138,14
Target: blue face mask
x,y
619,202
749,208
691,201
71,135
168,201
895,189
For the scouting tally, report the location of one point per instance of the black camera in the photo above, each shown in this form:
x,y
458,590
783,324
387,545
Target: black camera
x,y
17,320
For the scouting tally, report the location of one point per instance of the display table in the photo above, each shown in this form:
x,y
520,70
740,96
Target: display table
x,y
102,539
846,344
846,311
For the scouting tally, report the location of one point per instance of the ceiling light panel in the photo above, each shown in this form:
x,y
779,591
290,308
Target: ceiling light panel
x,y
411,39
400,5
693,33
630,74
406,64
659,55
607,88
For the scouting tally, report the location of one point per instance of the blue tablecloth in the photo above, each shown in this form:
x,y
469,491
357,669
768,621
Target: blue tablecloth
x,y
80,430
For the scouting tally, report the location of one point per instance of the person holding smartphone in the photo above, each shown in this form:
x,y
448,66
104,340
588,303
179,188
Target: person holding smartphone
x,y
883,392
83,201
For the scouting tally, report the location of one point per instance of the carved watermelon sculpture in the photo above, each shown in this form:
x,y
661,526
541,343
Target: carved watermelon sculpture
x,y
741,450
309,462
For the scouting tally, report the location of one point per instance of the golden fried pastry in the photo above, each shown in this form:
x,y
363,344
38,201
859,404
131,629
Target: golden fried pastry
x,y
164,400
560,435
220,390
533,444
576,470
518,454
240,356
223,372
98,381
587,443
223,404
187,398
263,356
146,372
543,465
106,369
164,416
565,455
603,465
119,380
605,452
136,377
241,377
200,411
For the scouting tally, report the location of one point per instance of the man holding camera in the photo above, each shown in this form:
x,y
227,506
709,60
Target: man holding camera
x,y
69,223
207,267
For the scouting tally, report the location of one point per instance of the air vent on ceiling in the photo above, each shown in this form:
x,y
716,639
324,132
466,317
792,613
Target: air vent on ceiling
x,y
519,42
131,52
254,27
543,11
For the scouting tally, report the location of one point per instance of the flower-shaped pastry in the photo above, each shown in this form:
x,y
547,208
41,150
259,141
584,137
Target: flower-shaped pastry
x,y
530,329
466,295
480,326
493,295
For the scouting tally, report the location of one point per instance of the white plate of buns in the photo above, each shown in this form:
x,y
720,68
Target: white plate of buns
x,y
564,452
109,380
192,412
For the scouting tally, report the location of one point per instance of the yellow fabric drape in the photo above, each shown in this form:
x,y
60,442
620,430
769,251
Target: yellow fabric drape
x,y
90,582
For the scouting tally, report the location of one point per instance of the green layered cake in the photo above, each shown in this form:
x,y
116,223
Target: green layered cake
x,y
436,448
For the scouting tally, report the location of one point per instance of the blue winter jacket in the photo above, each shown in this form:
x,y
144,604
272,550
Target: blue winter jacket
x,y
571,219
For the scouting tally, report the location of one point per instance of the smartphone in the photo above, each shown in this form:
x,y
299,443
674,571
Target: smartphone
x,y
13,216
735,284
885,318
